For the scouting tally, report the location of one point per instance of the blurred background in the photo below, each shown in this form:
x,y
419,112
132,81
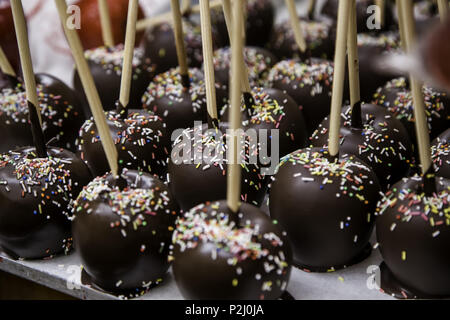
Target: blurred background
x,y
49,49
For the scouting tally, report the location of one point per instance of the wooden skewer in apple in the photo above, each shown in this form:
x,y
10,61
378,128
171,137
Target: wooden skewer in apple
x,y
179,42
363,124
105,20
90,90
443,9
415,208
421,125
246,89
128,54
205,22
34,108
296,25
226,218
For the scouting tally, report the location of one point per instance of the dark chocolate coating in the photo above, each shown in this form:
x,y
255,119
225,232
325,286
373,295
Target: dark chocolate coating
x,y
194,184
35,223
372,48
260,16
414,236
178,106
141,141
258,60
273,109
440,154
330,9
309,84
318,37
123,237
61,111
396,97
159,45
382,142
201,276
106,68
7,81
328,224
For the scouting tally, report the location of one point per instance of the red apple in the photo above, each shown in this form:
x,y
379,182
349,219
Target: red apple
x,y
91,31
7,34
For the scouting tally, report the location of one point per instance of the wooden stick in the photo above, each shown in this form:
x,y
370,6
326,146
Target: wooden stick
x,y
213,4
34,110
179,38
128,54
295,24
353,59
226,5
443,9
5,66
205,22
165,17
423,138
234,168
20,25
105,20
90,89
338,77
153,21
381,13
311,9
401,26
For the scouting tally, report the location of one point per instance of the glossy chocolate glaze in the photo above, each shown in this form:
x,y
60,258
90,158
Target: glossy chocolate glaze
x,y
62,114
239,256
414,238
260,17
258,60
123,236
326,205
440,153
380,140
194,183
177,105
141,140
36,199
318,36
106,68
309,83
396,96
272,109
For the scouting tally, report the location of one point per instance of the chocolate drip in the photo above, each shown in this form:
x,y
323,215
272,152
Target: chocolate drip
x,y
429,182
185,80
287,296
356,120
213,123
36,130
248,100
122,110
